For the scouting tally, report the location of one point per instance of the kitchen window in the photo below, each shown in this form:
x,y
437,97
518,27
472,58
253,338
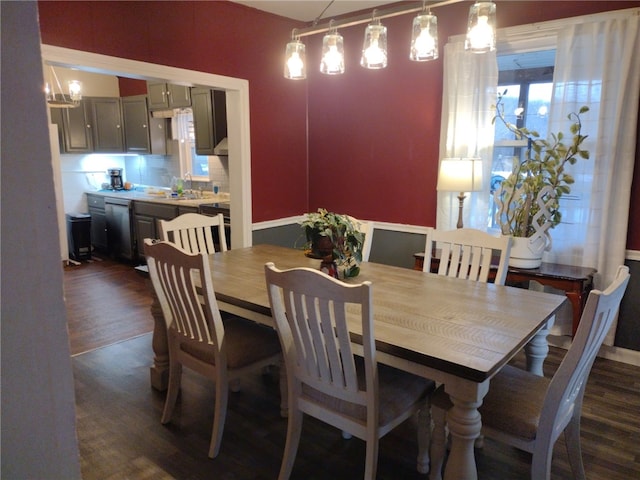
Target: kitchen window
x,y
190,162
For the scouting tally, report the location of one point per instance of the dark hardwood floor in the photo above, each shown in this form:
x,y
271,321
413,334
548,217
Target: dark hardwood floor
x,y
107,301
118,413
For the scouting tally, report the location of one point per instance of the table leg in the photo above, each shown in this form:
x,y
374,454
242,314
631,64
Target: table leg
x,y
464,427
159,371
538,348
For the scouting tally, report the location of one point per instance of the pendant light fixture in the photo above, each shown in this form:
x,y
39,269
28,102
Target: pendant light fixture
x,y
60,99
295,58
424,36
332,52
374,49
481,37
481,30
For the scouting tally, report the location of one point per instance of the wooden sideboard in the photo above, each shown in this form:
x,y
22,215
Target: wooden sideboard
x,y
575,282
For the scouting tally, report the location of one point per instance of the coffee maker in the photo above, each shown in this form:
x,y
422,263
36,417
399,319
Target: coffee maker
x,y
116,178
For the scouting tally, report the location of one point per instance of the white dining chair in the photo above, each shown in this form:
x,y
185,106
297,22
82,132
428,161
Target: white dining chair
x,y
467,253
193,232
325,380
530,412
198,337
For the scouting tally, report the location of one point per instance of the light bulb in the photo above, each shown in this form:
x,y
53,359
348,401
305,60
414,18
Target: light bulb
x,y
75,90
294,66
424,38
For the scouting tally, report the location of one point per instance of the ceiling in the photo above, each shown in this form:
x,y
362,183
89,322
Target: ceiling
x,y
310,10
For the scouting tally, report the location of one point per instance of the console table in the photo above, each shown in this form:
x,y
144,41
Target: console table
x,y
575,282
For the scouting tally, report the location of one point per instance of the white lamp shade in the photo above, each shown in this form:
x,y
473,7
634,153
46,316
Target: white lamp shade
x,y
460,175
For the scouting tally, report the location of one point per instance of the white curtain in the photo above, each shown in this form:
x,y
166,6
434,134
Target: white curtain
x,y
470,86
597,65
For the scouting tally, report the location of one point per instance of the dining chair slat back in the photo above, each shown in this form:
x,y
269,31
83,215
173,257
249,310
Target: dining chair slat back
x,y
530,412
467,253
193,232
325,379
198,337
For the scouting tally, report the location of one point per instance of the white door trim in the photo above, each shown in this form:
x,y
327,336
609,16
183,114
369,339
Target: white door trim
x,y
238,127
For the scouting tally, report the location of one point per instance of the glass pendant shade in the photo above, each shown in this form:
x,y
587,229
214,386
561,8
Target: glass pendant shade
x,y
295,61
424,38
332,54
374,50
75,90
481,31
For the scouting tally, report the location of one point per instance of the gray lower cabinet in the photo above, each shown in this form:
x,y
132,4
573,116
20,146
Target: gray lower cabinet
x,y
146,216
98,222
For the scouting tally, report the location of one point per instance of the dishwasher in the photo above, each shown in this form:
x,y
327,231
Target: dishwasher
x,y
119,235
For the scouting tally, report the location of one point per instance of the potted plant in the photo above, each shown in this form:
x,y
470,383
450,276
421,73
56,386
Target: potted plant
x,y
528,199
336,240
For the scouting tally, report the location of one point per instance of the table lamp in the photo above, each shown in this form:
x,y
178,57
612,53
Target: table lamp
x,y
460,175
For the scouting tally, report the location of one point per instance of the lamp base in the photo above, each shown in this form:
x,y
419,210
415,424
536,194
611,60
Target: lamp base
x,y
461,198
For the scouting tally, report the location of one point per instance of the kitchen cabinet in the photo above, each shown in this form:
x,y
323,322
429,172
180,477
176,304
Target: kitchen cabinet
x,y
76,128
165,96
143,133
106,116
95,125
146,216
98,222
209,118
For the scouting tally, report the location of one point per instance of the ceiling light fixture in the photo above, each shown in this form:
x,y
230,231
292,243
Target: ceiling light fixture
x,y
295,58
332,52
424,36
60,100
374,49
481,30
424,39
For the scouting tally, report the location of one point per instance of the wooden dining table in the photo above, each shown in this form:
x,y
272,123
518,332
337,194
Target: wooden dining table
x,y
456,332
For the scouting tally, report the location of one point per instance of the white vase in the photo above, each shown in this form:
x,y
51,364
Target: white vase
x,y
527,252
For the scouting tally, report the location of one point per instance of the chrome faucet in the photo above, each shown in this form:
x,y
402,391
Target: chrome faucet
x,y
190,181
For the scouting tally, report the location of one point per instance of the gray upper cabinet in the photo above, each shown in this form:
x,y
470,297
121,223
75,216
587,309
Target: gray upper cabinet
x,y
143,134
209,118
107,125
163,96
93,126
76,128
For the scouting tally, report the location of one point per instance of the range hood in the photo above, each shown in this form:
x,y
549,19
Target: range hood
x,y
221,148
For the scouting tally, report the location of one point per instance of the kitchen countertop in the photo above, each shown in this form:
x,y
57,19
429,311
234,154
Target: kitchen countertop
x,y
220,200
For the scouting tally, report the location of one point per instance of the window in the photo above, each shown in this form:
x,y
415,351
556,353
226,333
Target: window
x,y
190,162
526,83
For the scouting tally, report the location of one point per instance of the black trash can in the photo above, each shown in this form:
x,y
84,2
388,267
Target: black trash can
x,y
79,235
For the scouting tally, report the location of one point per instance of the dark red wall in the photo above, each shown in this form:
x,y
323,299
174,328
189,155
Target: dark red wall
x,y
366,142
216,37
